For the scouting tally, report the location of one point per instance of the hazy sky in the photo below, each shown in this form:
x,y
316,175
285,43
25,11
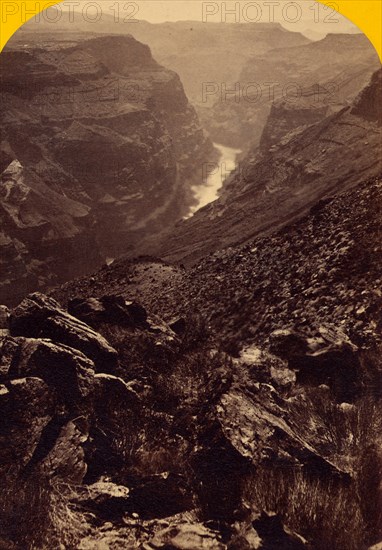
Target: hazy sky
x,y
299,15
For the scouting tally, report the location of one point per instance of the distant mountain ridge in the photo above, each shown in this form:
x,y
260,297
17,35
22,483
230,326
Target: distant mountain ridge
x,y
338,66
223,65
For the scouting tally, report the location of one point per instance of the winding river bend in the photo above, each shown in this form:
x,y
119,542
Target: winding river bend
x,y
209,190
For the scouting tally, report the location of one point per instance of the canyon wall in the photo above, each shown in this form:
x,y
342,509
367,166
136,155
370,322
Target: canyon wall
x,y
102,126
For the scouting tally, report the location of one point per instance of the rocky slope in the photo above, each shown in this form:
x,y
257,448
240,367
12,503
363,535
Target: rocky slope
x,y
161,440
297,166
111,137
324,268
249,420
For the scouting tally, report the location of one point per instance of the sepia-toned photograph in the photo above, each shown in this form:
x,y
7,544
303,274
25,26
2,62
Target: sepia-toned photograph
x,y
190,277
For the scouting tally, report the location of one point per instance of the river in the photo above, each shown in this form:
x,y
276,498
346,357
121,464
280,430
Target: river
x,y
208,191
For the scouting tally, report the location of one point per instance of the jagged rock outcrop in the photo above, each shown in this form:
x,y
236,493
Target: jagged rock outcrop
x,y
48,390
27,406
99,147
65,369
54,368
36,223
41,317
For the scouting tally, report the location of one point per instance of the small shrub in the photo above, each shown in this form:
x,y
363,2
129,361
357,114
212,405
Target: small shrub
x,y
327,514
331,514
36,513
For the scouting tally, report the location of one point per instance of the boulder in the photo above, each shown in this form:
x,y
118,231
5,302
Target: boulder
x,y
71,332
266,368
185,536
8,349
245,428
39,316
108,309
328,358
64,369
144,342
26,318
257,427
287,343
275,536
66,458
109,500
112,394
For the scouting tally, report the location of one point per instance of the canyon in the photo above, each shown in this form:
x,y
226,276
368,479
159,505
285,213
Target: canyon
x,y
190,318
105,134
291,171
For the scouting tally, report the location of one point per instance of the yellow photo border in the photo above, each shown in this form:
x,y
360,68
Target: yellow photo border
x,y
366,14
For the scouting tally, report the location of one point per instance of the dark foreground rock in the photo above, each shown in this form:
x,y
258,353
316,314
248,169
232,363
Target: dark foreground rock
x,y
181,446
41,317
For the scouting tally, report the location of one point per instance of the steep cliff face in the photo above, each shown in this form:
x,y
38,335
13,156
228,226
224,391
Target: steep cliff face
x,y
271,187
100,123
46,238
316,103
332,72
215,53
209,58
368,104
321,269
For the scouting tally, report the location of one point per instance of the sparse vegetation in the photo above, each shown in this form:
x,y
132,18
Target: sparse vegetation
x,y
336,514
327,513
36,513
